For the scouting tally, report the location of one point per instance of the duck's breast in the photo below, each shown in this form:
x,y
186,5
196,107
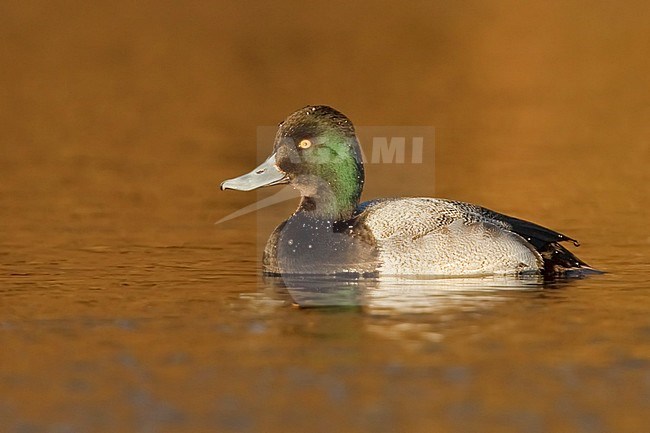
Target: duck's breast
x,y
304,245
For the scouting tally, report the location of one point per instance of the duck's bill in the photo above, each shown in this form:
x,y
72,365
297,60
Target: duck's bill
x,y
266,174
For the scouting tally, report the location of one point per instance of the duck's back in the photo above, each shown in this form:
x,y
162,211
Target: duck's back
x,y
444,237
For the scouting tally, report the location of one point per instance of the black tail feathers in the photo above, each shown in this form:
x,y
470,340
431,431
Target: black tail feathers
x,y
558,261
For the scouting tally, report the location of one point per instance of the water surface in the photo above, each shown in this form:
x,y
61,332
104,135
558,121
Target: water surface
x,y
124,308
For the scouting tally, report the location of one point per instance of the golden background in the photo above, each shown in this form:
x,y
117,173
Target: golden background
x,y
123,308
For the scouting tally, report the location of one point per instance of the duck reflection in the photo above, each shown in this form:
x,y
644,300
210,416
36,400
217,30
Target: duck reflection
x,y
418,312
389,295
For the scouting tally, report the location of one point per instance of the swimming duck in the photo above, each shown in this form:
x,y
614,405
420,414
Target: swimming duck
x,y
316,151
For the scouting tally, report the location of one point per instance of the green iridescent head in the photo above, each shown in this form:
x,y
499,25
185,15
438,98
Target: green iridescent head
x,y
317,152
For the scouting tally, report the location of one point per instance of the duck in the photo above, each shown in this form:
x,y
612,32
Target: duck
x,y
317,152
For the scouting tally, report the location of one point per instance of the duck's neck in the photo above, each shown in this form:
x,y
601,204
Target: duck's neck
x,y
334,200
330,209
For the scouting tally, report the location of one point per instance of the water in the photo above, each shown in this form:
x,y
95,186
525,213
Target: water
x,y
124,308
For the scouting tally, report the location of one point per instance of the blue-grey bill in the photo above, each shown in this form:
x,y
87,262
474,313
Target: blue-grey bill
x,y
266,174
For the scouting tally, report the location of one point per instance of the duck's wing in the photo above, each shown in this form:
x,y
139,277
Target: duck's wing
x,y
557,259
439,237
537,235
419,217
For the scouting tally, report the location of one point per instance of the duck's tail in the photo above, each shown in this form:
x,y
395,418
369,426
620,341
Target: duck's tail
x,y
558,261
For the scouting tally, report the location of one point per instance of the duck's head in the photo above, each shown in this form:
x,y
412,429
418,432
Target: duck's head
x,y
317,152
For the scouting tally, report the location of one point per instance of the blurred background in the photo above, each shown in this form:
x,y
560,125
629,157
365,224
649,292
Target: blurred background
x,y
146,107
118,121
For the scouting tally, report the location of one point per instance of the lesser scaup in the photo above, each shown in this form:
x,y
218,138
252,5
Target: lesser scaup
x,y
317,152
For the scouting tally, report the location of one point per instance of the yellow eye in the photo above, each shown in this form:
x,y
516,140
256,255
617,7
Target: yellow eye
x,y
304,144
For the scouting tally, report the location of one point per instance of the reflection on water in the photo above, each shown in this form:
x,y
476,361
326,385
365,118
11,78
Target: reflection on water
x,y
395,295
397,305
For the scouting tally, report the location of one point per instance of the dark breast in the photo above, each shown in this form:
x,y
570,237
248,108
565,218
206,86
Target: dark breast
x,y
306,245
